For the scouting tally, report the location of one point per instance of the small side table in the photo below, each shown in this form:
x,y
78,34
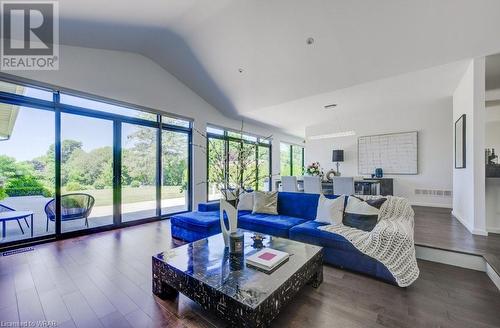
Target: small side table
x,y
15,215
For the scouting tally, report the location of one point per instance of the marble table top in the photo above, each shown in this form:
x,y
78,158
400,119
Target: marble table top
x,y
208,261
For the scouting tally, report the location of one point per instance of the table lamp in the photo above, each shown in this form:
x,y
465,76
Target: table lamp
x,y
337,157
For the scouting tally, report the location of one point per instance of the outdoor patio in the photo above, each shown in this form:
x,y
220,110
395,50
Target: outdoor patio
x,y
100,215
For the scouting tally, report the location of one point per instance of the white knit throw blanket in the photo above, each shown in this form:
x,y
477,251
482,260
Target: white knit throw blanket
x,y
390,242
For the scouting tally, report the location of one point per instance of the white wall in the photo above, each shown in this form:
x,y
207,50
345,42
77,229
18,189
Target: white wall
x,y
432,121
138,80
469,183
492,140
493,205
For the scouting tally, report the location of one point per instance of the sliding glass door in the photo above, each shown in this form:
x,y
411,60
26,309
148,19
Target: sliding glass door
x,y
69,164
86,172
216,165
297,160
174,172
250,164
263,169
291,160
285,159
138,172
27,176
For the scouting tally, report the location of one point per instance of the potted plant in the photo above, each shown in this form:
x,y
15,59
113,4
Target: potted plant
x,y
314,169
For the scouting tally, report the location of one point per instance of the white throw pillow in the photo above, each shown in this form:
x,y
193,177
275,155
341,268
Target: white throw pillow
x,y
330,211
246,202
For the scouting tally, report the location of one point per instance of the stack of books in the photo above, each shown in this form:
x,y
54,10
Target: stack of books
x,y
267,260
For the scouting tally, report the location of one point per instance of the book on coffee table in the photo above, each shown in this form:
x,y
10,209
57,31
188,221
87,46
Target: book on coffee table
x,y
267,259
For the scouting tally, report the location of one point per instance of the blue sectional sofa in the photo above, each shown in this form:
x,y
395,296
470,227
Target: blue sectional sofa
x,y
296,220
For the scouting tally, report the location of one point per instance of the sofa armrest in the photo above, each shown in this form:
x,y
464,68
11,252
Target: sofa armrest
x,y
208,207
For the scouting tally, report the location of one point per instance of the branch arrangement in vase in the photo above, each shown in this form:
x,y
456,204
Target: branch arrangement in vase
x,y
235,173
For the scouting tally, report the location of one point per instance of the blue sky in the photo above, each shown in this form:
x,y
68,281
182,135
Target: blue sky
x,y
34,129
34,132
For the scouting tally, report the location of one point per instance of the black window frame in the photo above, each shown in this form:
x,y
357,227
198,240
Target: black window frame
x,y
58,108
290,156
226,138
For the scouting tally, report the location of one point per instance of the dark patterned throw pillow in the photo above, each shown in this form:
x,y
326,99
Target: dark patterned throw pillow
x,y
362,214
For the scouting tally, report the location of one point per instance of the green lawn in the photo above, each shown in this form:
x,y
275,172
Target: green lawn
x,y
104,197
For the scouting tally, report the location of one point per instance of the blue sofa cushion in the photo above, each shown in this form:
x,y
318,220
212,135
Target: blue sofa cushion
x,y
276,225
200,221
208,207
197,221
299,205
190,235
308,232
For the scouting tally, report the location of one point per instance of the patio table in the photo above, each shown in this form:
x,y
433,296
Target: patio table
x,y
15,215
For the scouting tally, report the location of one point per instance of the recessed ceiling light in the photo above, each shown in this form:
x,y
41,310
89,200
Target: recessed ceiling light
x,y
240,70
310,40
331,106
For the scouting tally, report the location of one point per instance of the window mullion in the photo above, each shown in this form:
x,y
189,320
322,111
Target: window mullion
x,y
57,159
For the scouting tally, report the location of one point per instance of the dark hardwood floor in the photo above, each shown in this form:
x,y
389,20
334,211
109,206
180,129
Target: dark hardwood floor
x,y
104,280
437,228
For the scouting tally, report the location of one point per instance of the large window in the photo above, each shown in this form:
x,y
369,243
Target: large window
x,y
86,171
216,165
70,164
27,176
105,107
138,172
292,160
264,168
175,172
223,149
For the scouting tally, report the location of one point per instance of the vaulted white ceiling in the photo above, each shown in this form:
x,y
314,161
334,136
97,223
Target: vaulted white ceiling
x,y
205,43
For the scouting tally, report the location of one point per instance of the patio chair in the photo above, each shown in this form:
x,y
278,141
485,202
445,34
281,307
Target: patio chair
x,y
73,207
4,208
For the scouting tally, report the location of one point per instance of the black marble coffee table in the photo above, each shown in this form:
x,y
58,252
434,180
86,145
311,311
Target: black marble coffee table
x,y
245,297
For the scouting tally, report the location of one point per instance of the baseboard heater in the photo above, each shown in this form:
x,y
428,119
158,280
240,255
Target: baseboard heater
x,y
18,251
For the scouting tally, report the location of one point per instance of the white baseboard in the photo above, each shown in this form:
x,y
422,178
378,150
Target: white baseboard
x,y
431,204
480,232
493,230
463,221
462,260
493,275
472,230
467,261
